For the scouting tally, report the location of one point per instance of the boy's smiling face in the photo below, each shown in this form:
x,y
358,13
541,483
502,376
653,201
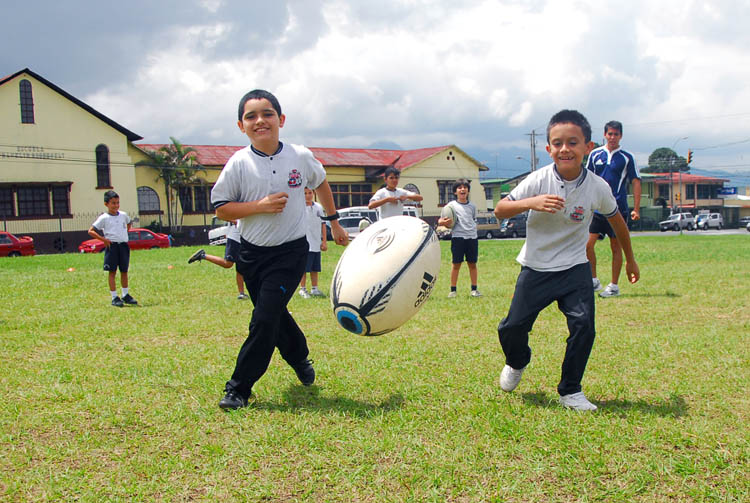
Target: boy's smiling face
x,y
567,147
261,124
113,205
462,193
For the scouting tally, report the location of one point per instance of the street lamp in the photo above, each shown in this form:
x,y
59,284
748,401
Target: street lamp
x,y
671,169
524,159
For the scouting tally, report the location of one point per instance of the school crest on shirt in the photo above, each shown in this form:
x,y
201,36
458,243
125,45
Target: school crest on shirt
x,y
295,178
577,214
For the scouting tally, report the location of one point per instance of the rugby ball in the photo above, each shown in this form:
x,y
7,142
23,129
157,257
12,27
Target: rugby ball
x,y
385,275
447,212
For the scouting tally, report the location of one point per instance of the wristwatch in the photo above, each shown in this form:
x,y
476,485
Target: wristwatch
x,y
335,216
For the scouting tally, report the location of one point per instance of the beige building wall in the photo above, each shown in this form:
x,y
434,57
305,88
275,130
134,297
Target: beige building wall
x,y
60,147
448,165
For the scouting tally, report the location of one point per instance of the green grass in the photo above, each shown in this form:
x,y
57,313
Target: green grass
x,y
106,404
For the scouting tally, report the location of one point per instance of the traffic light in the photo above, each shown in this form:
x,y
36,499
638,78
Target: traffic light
x,y
690,156
677,196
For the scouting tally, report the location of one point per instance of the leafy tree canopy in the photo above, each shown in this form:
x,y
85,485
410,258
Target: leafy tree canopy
x,y
664,160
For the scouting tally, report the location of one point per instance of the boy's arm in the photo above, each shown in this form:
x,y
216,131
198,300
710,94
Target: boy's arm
x,y
413,196
325,196
623,237
94,234
380,202
549,203
324,240
636,213
272,203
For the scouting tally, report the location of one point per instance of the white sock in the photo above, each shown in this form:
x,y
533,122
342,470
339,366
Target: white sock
x,y
113,293
124,291
302,289
315,289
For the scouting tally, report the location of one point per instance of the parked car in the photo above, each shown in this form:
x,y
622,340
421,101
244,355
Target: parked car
x,y
744,221
677,221
138,239
12,246
707,221
359,213
488,227
514,227
217,234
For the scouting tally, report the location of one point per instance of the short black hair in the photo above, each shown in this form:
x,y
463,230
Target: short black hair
x,y
571,117
110,194
258,94
458,183
390,170
617,125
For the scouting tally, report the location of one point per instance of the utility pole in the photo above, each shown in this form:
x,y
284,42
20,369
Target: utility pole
x,y
534,159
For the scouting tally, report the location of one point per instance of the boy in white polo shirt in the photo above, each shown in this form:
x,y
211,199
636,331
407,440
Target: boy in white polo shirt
x,y
561,198
262,187
112,228
389,200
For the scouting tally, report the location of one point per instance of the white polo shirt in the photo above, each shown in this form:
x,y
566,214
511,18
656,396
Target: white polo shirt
x,y
390,209
465,225
113,227
313,215
557,241
251,175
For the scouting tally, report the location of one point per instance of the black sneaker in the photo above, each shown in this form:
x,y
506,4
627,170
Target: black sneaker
x,y
305,372
232,401
117,302
129,300
199,255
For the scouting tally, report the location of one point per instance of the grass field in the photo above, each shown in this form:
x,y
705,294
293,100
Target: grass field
x,y
106,404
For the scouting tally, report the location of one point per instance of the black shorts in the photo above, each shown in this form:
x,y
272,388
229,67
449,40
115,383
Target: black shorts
x,y
117,255
468,248
600,225
232,250
313,262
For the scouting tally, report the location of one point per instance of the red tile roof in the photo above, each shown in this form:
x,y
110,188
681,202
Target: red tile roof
x,y
686,178
218,155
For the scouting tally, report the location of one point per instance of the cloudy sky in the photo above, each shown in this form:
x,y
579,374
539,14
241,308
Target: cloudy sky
x,y
413,73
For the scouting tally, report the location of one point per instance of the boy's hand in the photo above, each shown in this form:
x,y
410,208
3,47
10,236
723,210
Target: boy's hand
x,y
273,203
632,271
548,203
340,236
324,246
445,222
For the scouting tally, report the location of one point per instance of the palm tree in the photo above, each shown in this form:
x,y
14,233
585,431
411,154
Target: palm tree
x,y
177,167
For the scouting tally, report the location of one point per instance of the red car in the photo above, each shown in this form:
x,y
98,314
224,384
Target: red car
x,y
12,246
138,239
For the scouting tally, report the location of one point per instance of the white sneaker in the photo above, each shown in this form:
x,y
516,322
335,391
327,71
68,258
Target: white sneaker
x,y
316,293
452,295
597,284
510,377
612,290
242,296
475,293
576,401
303,293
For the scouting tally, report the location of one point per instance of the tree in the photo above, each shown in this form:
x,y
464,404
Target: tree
x,y
665,160
177,168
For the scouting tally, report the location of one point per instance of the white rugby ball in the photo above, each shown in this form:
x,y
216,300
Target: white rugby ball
x,y
385,275
447,212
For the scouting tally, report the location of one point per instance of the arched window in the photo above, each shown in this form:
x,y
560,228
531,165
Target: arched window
x,y
148,200
411,188
102,168
27,102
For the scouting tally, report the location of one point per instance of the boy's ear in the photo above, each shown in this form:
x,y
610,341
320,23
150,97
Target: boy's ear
x,y
239,125
282,119
589,147
548,149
